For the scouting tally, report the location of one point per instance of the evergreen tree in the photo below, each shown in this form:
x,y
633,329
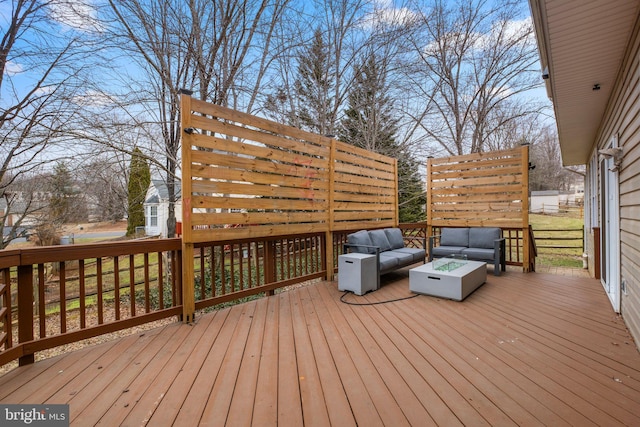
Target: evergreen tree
x,y
313,89
139,180
369,123
65,202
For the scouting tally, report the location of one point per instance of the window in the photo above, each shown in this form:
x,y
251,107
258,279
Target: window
x,y
153,216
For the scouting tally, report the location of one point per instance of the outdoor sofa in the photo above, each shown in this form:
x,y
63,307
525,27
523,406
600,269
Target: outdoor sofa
x,y
389,247
474,243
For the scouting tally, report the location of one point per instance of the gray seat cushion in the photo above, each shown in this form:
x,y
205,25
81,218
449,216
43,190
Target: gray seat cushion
x,y
379,238
394,235
417,254
483,237
454,237
361,238
387,262
402,257
479,254
443,251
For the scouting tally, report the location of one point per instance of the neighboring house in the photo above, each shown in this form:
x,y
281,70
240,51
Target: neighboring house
x,y
590,54
156,208
545,202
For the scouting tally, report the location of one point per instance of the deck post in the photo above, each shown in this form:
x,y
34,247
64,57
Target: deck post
x,y
188,275
25,310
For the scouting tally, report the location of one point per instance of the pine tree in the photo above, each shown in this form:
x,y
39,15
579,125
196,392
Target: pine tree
x,y
369,123
65,203
313,89
139,180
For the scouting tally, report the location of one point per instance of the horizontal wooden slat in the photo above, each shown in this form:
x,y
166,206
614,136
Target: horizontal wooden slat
x,y
478,182
476,157
363,225
319,182
218,188
209,109
344,148
364,186
255,231
346,173
514,189
255,203
248,218
258,165
477,222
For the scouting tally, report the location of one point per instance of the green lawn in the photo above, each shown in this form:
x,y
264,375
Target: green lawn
x,y
558,257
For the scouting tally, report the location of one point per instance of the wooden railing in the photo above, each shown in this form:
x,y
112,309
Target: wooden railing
x,y
54,296
554,240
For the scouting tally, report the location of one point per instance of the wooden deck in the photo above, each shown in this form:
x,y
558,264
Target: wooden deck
x,y
524,349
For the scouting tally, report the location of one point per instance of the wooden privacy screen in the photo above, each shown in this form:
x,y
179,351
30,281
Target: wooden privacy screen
x,y
484,189
247,177
244,177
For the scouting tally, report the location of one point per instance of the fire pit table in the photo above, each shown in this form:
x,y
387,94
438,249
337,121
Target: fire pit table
x,y
449,278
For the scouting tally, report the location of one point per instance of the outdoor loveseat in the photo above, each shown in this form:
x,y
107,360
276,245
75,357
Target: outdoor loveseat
x,y
475,243
388,246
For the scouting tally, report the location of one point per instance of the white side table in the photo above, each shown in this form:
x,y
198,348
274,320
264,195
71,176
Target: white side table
x,y
357,273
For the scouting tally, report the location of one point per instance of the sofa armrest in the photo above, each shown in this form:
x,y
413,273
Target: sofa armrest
x,y
357,245
432,240
500,259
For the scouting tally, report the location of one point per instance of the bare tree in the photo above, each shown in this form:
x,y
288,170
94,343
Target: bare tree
x,y
219,49
44,47
472,60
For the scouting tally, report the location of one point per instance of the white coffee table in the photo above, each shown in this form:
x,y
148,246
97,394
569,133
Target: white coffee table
x,y
455,282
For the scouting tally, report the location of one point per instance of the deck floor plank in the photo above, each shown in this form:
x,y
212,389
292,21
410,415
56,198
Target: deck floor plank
x,y
338,407
192,382
225,371
241,413
362,349
120,384
265,410
314,409
21,384
380,352
524,349
140,384
289,394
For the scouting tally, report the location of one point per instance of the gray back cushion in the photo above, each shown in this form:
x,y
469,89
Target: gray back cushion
x,y
379,238
395,237
483,237
454,237
361,238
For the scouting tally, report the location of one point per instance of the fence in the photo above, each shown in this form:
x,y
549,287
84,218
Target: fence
x,y
245,177
482,189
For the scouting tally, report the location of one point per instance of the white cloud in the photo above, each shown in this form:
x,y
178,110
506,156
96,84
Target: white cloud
x,y
80,15
511,31
93,98
386,14
12,68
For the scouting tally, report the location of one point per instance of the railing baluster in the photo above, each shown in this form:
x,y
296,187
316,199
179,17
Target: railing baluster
x,y
116,286
81,285
160,281
25,310
42,308
63,297
147,285
132,285
99,291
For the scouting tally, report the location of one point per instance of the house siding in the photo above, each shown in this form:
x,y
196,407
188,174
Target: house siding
x,y
623,118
